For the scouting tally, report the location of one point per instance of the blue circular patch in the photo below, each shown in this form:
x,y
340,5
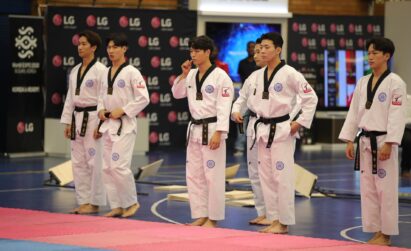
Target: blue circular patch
x,y
278,87
121,83
92,151
89,83
382,96
115,156
209,89
381,173
279,165
210,163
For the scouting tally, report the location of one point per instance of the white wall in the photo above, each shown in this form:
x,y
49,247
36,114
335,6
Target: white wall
x,y
397,27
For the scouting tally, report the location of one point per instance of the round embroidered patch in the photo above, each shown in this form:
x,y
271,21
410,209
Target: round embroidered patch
x,y
279,165
92,151
115,156
121,83
89,83
382,96
381,173
209,89
278,87
210,163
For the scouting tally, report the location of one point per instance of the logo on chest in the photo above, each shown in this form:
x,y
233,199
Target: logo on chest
x,y
89,83
382,97
121,83
278,87
209,89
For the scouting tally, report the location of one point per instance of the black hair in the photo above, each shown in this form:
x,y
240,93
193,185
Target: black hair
x,y
381,44
258,41
93,38
249,43
275,37
119,39
202,43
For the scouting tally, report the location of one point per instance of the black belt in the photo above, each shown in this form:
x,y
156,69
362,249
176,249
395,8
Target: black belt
x,y
107,116
374,147
241,125
205,123
83,123
273,122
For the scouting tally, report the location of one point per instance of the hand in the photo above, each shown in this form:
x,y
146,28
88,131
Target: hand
x,y
385,151
294,127
101,115
185,67
116,113
349,150
237,117
67,132
215,140
97,134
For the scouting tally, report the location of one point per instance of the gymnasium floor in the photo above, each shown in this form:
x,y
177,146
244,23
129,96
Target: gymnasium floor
x,y
21,186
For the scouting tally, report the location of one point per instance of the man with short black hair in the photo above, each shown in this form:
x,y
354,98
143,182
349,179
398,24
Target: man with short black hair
x,y
278,85
378,109
209,91
80,116
123,96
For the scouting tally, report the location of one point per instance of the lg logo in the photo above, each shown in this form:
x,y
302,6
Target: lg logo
x,y
134,61
152,81
166,62
153,41
57,61
153,117
91,21
25,127
58,20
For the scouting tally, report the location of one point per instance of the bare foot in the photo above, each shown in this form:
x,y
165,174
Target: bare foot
x,y
264,222
210,223
77,209
116,212
256,220
198,222
376,235
276,228
88,209
130,211
381,240
267,229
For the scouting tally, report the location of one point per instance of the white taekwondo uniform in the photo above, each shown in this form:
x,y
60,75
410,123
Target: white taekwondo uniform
x,y
379,192
205,168
276,163
129,93
85,150
241,106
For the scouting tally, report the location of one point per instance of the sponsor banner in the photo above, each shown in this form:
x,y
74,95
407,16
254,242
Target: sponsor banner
x,y
158,44
25,120
310,36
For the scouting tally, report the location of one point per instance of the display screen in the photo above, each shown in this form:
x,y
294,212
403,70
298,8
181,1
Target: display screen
x,y
232,38
342,70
